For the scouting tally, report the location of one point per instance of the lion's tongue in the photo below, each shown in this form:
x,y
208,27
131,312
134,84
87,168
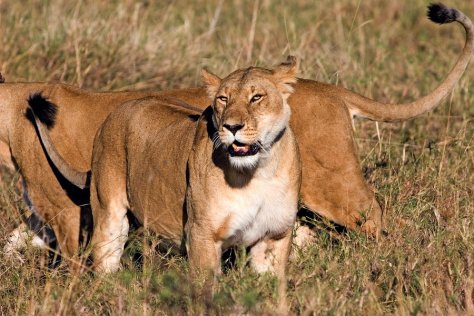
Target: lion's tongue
x,y
240,149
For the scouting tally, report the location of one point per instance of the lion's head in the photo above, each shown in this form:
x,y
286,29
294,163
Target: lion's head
x,y
250,109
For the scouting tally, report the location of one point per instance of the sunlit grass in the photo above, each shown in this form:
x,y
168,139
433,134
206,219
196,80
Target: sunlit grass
x,y
422,170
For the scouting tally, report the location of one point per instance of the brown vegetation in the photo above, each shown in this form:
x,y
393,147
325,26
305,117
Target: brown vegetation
x,y
422,170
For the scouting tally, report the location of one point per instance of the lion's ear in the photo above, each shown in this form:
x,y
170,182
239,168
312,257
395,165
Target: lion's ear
x,y
285,75
211,81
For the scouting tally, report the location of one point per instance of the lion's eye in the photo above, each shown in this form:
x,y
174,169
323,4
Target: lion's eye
x,y
222,98
256,98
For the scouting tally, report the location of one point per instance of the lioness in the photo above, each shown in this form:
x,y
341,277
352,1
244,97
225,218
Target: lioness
x,y
332,183
244,172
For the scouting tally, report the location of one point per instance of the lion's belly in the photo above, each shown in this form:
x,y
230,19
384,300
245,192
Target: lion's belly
x,y
264,208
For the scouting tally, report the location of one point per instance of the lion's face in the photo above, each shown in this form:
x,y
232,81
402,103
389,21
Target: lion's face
x,y
251,110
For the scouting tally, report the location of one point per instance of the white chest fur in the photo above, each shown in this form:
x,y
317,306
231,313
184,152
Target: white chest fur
x,y
265,207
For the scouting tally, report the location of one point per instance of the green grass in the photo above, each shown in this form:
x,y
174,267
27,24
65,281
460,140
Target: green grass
x,y
422,170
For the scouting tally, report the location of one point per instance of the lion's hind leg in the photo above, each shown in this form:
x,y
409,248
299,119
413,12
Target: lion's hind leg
x,y
109,208
373,222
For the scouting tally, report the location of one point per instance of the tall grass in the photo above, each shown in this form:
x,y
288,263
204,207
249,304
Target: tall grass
x,y
422,170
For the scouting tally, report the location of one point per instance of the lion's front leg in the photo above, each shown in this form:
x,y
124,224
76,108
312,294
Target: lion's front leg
x,y
203,251
19,239
272,255
204,255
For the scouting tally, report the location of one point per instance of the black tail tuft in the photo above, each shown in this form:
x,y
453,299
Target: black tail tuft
x,y
43,109
440,13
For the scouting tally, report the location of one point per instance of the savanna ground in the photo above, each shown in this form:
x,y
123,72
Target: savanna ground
x,y
421,170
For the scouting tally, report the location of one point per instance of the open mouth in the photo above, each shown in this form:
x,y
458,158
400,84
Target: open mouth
x,y
237,149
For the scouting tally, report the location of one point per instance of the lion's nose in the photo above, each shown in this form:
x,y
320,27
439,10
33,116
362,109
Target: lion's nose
x,y
233,128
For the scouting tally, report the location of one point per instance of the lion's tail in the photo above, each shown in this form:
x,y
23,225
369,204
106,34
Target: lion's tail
x,y
377,111
43,114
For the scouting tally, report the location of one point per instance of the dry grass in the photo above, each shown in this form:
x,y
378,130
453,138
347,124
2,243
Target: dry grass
x,y
422,170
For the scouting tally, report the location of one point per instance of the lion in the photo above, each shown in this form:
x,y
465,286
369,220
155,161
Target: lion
x,y
332,181
240,185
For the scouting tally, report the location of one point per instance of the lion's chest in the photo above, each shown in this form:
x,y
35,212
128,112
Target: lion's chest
x,y
264,208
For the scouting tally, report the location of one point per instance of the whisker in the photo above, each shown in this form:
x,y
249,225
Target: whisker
x,y
216,141
265,150
216,145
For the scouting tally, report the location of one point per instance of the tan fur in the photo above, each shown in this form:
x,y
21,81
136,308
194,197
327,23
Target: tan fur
x,y
80,114
332,183
228,202
255,200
